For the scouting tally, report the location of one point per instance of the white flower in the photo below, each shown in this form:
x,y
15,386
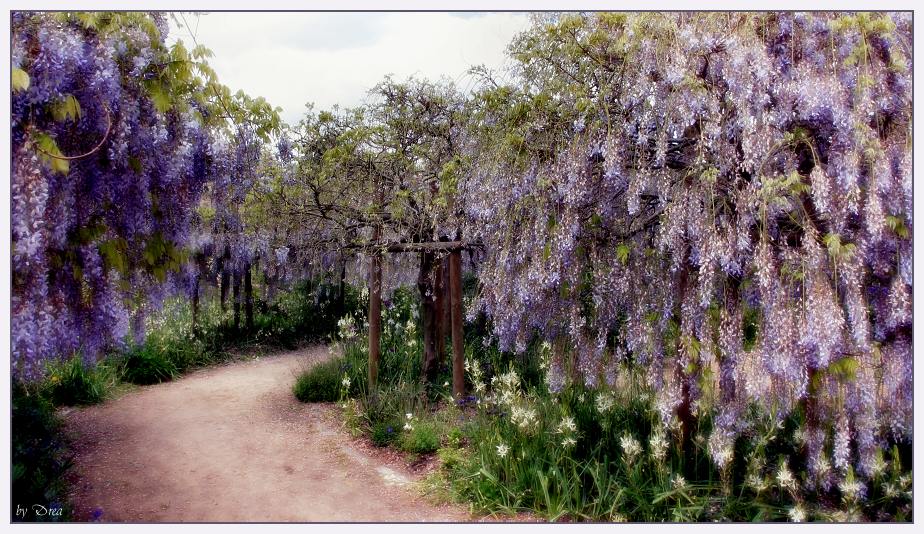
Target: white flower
x,y
890,490
784,477
797,514
851,490
502,450
568,442
657,444
630,447
877,466
604,402
408,416
757,483
679,482
567,424
345,381
408,426
524,418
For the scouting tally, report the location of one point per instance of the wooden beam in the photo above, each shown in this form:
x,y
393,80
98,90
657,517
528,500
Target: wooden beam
x,y
393,246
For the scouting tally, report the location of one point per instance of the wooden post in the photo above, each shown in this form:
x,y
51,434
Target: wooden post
x,y
429,364
685,409
439,291
375,315
225,282
248,299
458,343
375,296
236,296
341,288
195,301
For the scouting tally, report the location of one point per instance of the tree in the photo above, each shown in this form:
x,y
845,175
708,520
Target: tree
x,y
709,195
113,136
372,178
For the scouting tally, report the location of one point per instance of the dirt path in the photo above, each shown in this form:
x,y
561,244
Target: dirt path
x,y
231,443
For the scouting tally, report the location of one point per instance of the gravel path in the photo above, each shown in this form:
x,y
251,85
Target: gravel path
x,y
231,443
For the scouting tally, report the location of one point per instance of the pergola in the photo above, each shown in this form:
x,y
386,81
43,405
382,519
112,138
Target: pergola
x,y
454,248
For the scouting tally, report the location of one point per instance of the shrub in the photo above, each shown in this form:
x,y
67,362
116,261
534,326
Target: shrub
x,y
385,432
73,382
145,365
422,438
39,457
321,383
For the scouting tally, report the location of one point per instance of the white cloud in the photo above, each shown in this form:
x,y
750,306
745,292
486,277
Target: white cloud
x,y
335,58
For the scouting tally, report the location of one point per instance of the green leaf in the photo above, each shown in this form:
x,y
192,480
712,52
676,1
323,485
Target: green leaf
x,y
19,79
135,164
622,253
845,368
66,109
836,249
160,98
50,153
113,253
897,225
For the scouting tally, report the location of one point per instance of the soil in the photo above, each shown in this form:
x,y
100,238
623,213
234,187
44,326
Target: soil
x,y
232,444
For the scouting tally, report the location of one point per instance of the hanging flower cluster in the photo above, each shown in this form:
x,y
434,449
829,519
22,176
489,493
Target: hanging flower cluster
x,y
716,197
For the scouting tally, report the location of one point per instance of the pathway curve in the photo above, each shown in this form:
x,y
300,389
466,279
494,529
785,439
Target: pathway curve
x,y
231,443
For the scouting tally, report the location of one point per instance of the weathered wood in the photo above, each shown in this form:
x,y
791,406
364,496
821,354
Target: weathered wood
x,y
439,291
195,301
429,362
375,300
225,283
248,298
396,247
458,342
236,296
375,316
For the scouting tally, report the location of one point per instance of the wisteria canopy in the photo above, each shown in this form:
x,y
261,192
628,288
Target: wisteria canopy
x,y
723,200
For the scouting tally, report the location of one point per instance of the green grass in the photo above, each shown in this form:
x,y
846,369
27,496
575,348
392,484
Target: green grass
x,y
320,383
146,365
74,382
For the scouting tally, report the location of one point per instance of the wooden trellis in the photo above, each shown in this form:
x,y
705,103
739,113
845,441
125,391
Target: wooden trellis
x,y
454,248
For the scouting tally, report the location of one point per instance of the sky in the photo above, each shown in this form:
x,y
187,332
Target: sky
x,y
334,58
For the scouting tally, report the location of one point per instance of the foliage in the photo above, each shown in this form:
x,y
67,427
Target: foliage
x,y
39,457
115,138
602,454
73,382
145,365
658,187
421,437
320,383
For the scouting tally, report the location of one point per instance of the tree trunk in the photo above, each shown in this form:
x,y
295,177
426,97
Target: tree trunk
x,y
685,410
447,300
248,298
341,289
439,298
195,301
236,297
430,364
225,282
458,343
